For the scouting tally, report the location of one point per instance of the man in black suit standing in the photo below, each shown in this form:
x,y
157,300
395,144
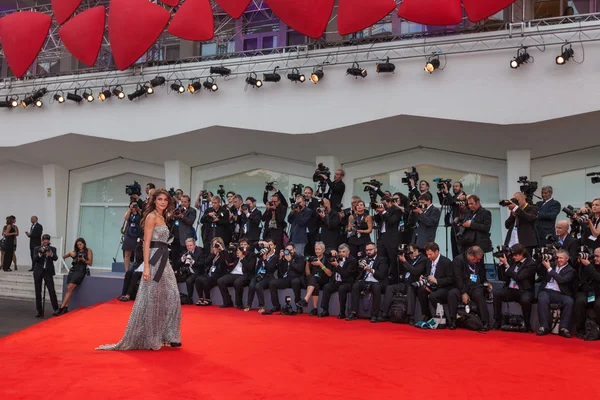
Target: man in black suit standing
x,y
313,230
520,224
337,188
274,217
387,218
217,219
43,269
476,226
299,218
439,279
185,218
566,241
35,237
428,218
548,210
251,219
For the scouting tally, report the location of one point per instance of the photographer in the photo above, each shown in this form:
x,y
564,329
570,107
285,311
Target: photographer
x,y
373,278
548,210
412,266
184,217
193,260
474,229
556,289
588,292
456,209
337,188
360,226
251,219
274,216
519,280
521,222
264,272
471,283
133,217
345,269
217,265
236,217
328,223
591,228
240,276
82,259
230,203
388,218
428,218
43,269
217,219
436,283
566,241
413,192
133,275
291,272
177,198
298,219
313,230
318,270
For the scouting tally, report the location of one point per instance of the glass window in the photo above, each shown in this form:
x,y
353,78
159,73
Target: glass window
x,y
547,9
573,187
112,190
208,49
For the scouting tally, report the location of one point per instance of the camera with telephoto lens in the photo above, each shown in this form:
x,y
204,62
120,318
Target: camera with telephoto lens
x,y
321,170
286,252
460,203
333,257
506,203
321,210
413,205
189,260
133,189
503,251
423,282
595,177
263,251
527,187
546,253
372,182
412,174
469,307
583,253
269,186
296,207
221,191
172,192
217,246
404,249
287,309
582,218
442,183
570,211
45,249
297,189
232,248
311,259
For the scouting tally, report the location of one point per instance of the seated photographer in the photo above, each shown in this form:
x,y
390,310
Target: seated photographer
x,y
428,219
388,218
251,220
520,224
240,275
216,219
318,270
412,265
133,217
82,259
372,280
588,293
264,271
474,229
345,270
298,219
548,210
133,275
43,270
591,228
471,284
216,265
566,241
436,283
519,279
360,226
291,273
556,289
193,260
274,217
328,225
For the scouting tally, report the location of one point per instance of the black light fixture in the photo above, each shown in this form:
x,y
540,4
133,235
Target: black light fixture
x,y
34,98
87,94
522,58
158,81
104,94
210,85
356,71
386,67
9,102
296,76
140,91
220,71
432,64
60,97
118,92
565,54
272,77
177,87
194,86
39,103
317,75
252,80
74,97
148,88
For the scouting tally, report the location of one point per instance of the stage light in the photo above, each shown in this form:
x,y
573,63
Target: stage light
x,y
34,97
88,96
432,64
177,87
9,102
118,92
210,85
272,77
105,94
220,71
140,91
317,75
296,76
252,80
521,58
386,67
158,81
39,103
59,97
356,71
74,97
565,54
148,88
27,101
194,87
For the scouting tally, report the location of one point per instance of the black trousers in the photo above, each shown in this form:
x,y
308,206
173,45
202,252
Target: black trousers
x,y
133,286
525,299
476,294
259,289
285,283
32,255
377,288
581,305
565,302
239,282
387,246
316,282
437,296
8,258
357,248
49,282
189,284
277,236
391,291
309,250
127,281
342,289
204,284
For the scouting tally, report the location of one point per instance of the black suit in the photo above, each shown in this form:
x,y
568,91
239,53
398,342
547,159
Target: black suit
x,y
523,275
445,282
387,244
312,204
564,298
427,228
185,228
469,279
238,281
546,219
342,280
274,220
335,193
410,272
570,244
290,274
198,268
524,221
220,228
263,273
250,225
589,286
329,227
35,239
478,233
380,265
215,267
43,269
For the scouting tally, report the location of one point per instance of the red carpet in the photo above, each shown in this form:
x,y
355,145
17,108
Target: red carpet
x,y
229,354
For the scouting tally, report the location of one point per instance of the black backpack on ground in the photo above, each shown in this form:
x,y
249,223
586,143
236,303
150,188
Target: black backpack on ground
x,y
592,331
398,309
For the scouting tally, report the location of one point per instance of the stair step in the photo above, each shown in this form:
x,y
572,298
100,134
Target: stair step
x,y
19,285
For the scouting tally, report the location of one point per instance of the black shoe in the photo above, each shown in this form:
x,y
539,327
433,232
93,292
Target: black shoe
x,y
485,328
374,319
564,332
452,325
226,306
352,317
324,314
239,307
40,316
314,312
175,344
302,303
341,316
497,325
411,321
29,270
578,334
542,331
299,310
275,309
58,312
384,318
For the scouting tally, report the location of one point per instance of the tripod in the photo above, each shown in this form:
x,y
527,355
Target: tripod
x,y
448,221
119,246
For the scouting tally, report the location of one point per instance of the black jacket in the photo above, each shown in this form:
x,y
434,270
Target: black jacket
x,y
381,268
546,219
43,264
570,244
330,229
428,224
524,277
266,267
414,269
35,236
217,267
335,193
291,269
590,279
280,213
478,234
313,204
391,218
221,228
443,272
317,271
565,278
347,273
185,229
252,224
199,258
524,220
462,273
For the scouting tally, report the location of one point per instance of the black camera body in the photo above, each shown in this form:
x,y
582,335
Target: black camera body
x,y
412,174
172,192
373,182
503,251
269,186
527,187
221,191
546,253
413,205
133,189
297,189
44,249
583,253
311,259
321,170
296,207
506,203
404,249
442,183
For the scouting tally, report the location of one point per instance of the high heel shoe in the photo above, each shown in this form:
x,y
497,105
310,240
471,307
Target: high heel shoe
x,y
175,344
57,312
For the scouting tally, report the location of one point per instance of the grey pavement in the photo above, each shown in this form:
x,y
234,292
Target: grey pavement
x,y
19,314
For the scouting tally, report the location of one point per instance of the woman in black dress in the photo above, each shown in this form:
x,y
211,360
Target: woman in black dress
x,y
133,216
82,259
10,237
360,226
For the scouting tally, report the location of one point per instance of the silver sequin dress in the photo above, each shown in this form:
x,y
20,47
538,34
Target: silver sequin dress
x,y
156,316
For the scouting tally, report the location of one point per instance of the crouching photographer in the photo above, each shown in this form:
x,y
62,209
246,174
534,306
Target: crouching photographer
x,y
588,294
519,278
291,272
192,265
217,265
43,269
264,272
240,275
345,268
318,270
433,287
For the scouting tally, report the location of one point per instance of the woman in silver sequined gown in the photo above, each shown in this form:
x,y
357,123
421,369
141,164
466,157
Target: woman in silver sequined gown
x,y
156,316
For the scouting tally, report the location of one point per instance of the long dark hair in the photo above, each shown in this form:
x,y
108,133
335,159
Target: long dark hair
x,y
10,220
84,250
151,205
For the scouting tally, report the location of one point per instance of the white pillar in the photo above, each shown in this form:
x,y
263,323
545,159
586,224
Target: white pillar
x,y
178,176
56,187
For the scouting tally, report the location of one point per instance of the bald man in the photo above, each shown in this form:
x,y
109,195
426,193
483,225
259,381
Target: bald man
x,y
521,223
566,241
